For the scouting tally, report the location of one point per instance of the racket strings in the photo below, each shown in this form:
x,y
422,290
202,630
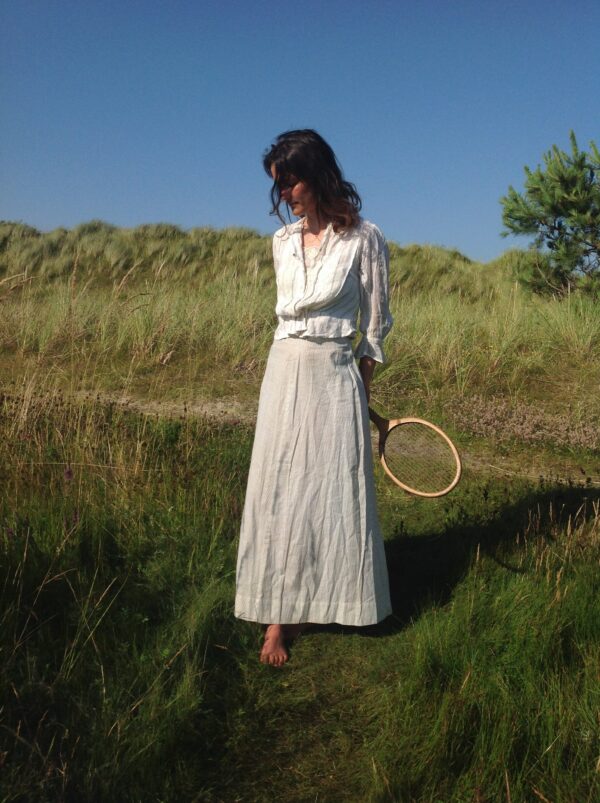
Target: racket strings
x,y
420,458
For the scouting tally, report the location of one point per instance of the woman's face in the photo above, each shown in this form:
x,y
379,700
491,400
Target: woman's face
x,y
297,195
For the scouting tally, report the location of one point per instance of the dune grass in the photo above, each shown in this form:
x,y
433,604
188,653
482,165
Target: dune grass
x,y
204,326
124,674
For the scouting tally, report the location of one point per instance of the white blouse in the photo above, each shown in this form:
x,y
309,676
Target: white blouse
x,y
322,297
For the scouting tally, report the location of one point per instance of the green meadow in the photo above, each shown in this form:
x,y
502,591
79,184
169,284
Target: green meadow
x,y
130,364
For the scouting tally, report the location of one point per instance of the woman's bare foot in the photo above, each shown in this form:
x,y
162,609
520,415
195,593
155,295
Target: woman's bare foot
x,y
273,650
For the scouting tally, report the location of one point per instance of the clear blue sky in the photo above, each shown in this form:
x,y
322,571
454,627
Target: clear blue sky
x,y
138,112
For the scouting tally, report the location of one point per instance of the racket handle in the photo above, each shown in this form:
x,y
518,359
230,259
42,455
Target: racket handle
x,y
380,423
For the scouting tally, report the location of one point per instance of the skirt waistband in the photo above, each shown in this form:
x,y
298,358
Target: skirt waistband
x,y
300,343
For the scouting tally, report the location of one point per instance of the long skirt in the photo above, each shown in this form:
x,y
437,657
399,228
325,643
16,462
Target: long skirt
x,y
310,546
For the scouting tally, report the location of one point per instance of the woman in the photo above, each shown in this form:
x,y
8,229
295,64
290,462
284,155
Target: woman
x,y
310,546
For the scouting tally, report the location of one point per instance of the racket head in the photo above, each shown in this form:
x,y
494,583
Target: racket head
x,y
419,457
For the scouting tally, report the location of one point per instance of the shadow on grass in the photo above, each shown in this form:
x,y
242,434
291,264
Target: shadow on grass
x,y
424,569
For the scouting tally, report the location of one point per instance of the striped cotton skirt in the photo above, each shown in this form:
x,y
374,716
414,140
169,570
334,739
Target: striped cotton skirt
x,y
310,546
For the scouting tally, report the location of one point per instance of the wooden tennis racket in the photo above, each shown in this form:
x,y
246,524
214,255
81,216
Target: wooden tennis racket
x,y
418,456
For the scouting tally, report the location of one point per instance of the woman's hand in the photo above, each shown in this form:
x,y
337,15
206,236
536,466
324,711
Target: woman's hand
x,y
366,366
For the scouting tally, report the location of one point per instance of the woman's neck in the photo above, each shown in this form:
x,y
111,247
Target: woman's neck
x,y
313,223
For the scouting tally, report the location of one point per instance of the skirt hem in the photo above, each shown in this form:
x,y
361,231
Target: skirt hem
x,y
312,613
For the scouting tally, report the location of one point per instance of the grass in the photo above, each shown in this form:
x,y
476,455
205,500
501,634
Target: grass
x,y
117,549
203,326
124,675
123,669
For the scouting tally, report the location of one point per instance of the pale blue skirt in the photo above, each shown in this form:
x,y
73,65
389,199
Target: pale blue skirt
x,y
310,546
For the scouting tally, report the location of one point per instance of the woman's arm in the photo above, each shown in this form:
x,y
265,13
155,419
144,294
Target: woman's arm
x,y
366,366
375,317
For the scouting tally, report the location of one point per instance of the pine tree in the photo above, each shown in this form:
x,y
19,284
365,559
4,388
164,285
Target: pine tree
x,y
561,207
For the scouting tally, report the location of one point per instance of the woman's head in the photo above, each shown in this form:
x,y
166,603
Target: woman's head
x,y
303,155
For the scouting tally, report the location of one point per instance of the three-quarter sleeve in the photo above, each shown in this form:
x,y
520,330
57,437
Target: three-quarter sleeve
x,y
375,317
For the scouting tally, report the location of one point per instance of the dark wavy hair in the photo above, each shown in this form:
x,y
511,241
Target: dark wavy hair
x,y
303,154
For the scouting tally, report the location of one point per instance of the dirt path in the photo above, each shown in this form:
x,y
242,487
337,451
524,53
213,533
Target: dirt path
x,y
226,409
501,448
486,457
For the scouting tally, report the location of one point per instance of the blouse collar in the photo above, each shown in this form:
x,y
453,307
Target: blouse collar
x,y
295,231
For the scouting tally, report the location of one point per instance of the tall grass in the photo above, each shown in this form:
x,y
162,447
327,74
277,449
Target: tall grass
x,y
516,345
496,696
461,328
117,535
125,675
107,337
122,667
